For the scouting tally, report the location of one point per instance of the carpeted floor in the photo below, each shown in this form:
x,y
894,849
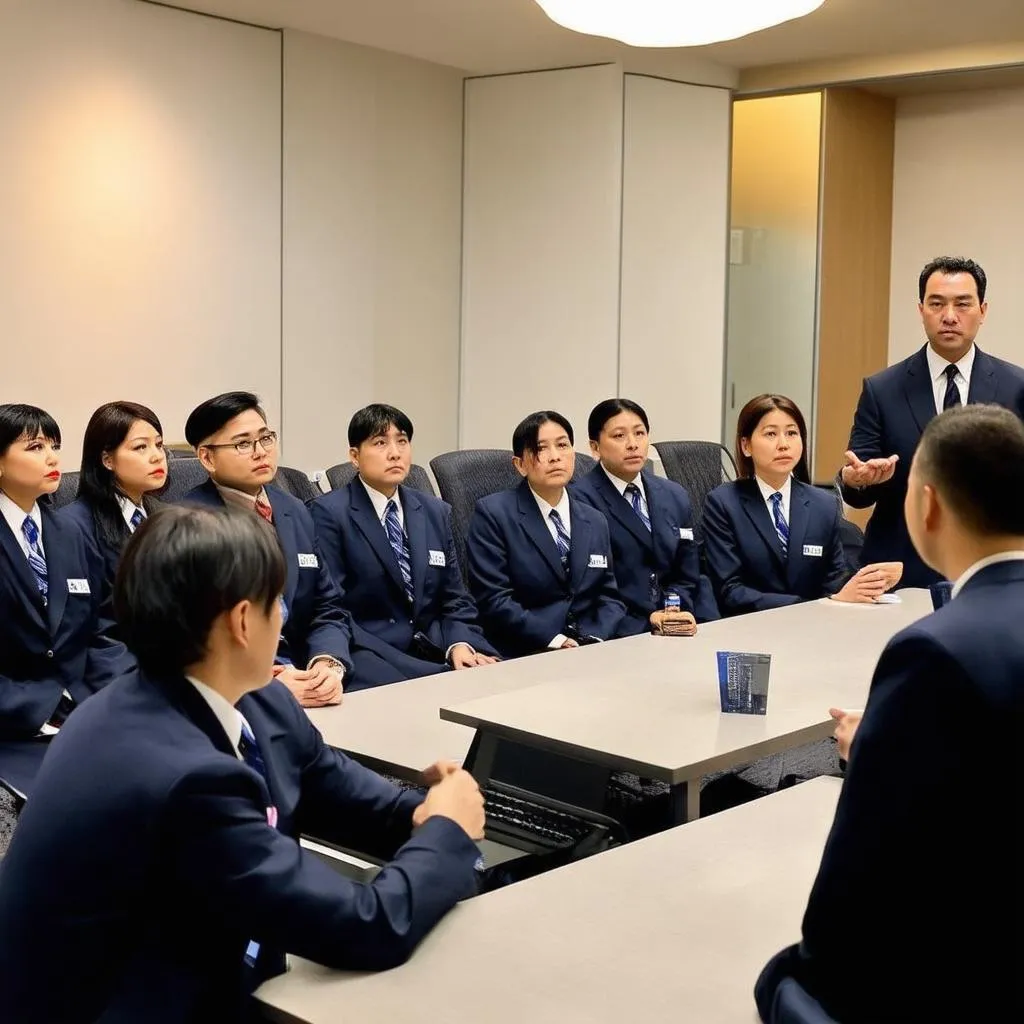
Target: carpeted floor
x,y
7,820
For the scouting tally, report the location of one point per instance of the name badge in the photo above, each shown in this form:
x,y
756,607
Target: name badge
x,y
436,558
598,562
685,533
308,562
78,587
813,551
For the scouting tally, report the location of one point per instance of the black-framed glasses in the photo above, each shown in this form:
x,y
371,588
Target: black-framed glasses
x,y
267,441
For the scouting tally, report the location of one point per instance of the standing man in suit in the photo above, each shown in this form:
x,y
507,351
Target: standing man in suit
x,y
540,560
649,519
239,451
915,912
897,404
390,550
156,874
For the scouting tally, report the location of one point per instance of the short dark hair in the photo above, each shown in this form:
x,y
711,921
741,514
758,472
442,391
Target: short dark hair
x,y
604,411
953,265
374,420
18,420
205,420
524,437
107,428
746,423
974,457
181,569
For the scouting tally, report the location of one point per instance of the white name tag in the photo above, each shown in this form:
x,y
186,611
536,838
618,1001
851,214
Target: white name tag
x,y
308,561
598,562
685,533
78,587
436,558
813,551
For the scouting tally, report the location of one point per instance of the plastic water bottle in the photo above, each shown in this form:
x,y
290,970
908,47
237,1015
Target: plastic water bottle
x,y
672,601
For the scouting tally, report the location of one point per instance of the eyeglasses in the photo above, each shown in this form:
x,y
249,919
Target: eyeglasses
x,y
268,442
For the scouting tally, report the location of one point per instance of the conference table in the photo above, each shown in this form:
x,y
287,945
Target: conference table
x,y
674,927
645,704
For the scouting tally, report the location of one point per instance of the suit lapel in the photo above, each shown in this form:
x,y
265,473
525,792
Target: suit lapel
x,y
621,510
285,527
416,530
984,382
537,530
56,547
799,517
22,573
757,512
364,516
579,547
917,386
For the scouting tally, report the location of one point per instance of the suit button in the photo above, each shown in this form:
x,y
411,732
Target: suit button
x,y
49,654
392,621
410,622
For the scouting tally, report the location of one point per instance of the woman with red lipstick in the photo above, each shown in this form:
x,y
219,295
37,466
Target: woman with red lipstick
x,y
123,464
771,539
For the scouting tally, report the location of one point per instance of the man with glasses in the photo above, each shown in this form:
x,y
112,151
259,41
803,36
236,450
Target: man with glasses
x,y
239,451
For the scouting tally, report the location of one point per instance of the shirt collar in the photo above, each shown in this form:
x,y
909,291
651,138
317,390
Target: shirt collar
x,y
240,499
937,365
128,508
380,501
984,563
562,508
767,492
229,717
16,518
621,485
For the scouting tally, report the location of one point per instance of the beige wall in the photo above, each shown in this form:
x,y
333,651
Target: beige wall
x,y
959,189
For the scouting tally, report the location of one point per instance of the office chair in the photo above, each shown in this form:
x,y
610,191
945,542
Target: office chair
x,y
67,490
182,476
700,467
584,464
850,534
793,1004
296,483
418,478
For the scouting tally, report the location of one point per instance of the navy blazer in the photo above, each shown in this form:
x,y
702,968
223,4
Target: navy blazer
x,y
80,513
915,910
744,553
524,596
359,556
150,919
64,644
894,408
663,559
317,620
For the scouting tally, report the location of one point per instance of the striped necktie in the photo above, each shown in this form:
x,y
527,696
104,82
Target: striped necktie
x,y
952,396
399,545
561,538
781,526
138,516
263,509
36,560
633,493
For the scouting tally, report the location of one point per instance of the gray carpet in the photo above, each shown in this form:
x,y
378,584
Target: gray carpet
x,y
7,820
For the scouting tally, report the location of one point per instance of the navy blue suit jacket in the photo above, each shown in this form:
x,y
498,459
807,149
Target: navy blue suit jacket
x,y
524,596
66,644
317,621
663,559
915,912
359,556
80,513
744,553
144,863
894,408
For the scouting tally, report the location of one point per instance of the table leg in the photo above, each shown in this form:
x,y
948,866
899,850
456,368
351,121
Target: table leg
x,y
685,801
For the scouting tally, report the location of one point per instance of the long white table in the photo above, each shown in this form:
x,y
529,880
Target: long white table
x,y
671,928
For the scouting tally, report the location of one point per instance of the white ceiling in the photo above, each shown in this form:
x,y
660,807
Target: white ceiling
x,y
488,36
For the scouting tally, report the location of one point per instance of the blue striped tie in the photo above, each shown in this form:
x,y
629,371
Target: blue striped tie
x,y
781,526
400,546
36,560
250,751
136,521
561,538
634,499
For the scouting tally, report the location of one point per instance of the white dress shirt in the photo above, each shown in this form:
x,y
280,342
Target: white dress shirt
x,y
984,563
128,509
562,508
937,368
15,520
621,485
227,714
766,492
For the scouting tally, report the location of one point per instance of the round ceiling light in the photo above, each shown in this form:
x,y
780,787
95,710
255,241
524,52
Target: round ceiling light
x,y
674,22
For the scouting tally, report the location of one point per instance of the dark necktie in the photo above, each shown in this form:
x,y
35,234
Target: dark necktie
x,y
561,538
136,520
633,493
952,398
250,751
781,526
36,559
400,545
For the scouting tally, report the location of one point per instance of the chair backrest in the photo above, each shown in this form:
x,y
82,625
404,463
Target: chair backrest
x,y
793,1004
584,464
344,472
700,466
67,490
182,476
296,483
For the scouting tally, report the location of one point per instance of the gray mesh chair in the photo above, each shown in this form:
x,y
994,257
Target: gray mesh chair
x,y
296,483
67,490
584,464
418,479
700,466
182,476
850,534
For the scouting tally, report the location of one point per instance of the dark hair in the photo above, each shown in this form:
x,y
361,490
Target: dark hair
x,y
181,569
974,456
746,423
524,437
25,421
108,427
604,411
205,420
953,265
374,420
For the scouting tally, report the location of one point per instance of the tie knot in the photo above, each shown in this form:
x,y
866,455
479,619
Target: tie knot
x,y
632,489
30,530
950,371
391,509
554,516
777,497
